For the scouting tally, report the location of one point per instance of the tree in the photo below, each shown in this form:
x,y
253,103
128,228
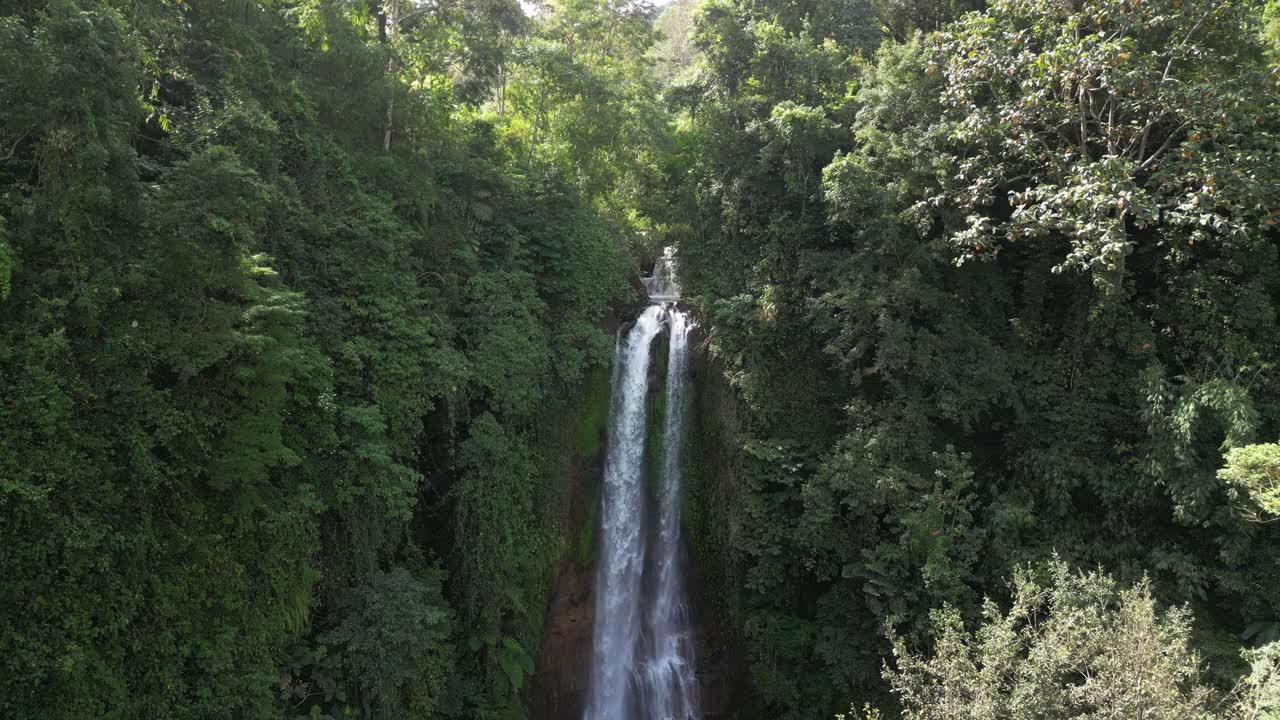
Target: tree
x,y
1253,472
1080,646
395,641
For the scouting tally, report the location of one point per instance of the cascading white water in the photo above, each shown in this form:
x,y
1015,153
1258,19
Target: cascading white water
x,y
621,564
642,662
663,286
667,682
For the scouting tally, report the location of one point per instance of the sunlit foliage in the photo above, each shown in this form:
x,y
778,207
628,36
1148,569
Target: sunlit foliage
x,y
287,307
1004,286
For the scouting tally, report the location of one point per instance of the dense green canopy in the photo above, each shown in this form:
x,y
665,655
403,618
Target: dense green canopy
x,y
1006,287
288,311
302,304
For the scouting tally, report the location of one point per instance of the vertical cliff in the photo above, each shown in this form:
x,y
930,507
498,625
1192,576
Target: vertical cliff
x,y
712,515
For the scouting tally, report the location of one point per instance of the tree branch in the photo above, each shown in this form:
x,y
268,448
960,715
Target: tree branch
x,y
1164,146
14,149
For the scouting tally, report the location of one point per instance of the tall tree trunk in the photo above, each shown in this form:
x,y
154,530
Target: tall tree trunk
x,y
376,9
388,30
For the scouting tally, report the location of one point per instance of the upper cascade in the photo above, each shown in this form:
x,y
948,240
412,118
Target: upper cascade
x,y
662,286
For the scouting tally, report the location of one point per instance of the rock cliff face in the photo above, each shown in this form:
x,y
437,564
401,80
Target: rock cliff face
x,y
559,687
712,512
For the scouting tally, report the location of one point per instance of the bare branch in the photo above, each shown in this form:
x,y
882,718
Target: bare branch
x,y
1164,146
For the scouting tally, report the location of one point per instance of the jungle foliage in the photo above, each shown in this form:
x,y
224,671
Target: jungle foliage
x,y
291,297
300,302
993,282
1027,663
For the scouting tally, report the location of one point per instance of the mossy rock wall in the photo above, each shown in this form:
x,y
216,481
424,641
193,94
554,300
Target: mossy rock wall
x,y
559,683
712,512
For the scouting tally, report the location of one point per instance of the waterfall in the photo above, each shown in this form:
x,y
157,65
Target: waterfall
x,y
668,686
662,285
642,652
621,563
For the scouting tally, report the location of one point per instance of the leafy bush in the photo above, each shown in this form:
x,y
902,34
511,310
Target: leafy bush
x,y
1080,646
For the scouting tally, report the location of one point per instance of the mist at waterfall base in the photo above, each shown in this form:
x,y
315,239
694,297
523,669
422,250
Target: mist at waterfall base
x,y
642,650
